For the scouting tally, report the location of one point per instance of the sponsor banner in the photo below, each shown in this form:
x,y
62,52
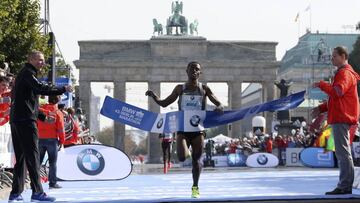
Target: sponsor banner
x,y
220,161
93,162
356,149
7,155
293,157
66,98
237,159
132,115
188,121
317,158
262,160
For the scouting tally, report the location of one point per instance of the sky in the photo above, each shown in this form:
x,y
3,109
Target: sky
x,y
254,20
250,20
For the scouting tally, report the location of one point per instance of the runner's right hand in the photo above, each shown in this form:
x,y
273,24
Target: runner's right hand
x,y
149,93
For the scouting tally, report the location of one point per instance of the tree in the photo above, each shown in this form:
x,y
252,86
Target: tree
x,y
106,136
354,57
65,68
142,147
212,132
20,32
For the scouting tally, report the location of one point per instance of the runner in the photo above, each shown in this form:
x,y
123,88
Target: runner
x,y
166,145
192,96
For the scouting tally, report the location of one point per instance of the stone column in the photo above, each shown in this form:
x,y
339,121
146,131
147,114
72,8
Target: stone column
x,y
268,94
119,129
235,103
85,96
154,147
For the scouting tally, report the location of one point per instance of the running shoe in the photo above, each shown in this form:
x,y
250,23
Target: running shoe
x,y
15,198
195,192
41,197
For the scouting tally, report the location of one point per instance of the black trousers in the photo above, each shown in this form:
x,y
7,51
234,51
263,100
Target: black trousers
x,y
166,147
25,140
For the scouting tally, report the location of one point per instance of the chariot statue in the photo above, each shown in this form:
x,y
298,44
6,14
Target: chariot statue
x,y
177,20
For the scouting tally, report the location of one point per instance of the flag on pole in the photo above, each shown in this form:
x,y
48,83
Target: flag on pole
x,y
308,8
297,17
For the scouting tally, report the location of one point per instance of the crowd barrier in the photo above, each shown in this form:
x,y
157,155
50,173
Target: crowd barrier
x,y
7,156
309,157
293,157
356,183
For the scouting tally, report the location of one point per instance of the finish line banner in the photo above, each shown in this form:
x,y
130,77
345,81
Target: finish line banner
x,y
188,121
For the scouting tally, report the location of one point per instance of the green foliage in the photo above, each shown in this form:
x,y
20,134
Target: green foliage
x,y
141,148
64,72
212,132
20,31
106,136
354,57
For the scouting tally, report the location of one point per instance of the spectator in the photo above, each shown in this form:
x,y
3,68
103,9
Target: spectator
x,y
23,115
268,144
291,142
281,145
208,149
72,128
343,111
4,100
51,136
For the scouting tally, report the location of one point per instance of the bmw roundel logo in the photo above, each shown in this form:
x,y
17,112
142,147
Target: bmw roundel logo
x,y
262,159
195,120
90,162
160,123
192,97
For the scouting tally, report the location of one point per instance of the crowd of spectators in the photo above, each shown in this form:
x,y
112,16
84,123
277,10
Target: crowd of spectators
x,y
263,143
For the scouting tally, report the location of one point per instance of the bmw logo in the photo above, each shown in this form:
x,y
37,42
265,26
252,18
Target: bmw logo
x,y
90,162
262,159
192,97
195,120
160,123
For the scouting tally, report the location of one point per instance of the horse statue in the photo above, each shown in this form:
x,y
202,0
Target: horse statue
x,y
176,20
193,27
157,27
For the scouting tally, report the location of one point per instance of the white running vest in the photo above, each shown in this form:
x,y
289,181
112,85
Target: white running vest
x,y
192,100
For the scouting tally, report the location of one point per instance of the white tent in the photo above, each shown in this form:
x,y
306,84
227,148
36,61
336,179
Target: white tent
x,y
221,139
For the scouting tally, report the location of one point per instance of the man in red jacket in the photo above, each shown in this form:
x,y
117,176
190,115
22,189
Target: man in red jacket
x,y
51,136
343,111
